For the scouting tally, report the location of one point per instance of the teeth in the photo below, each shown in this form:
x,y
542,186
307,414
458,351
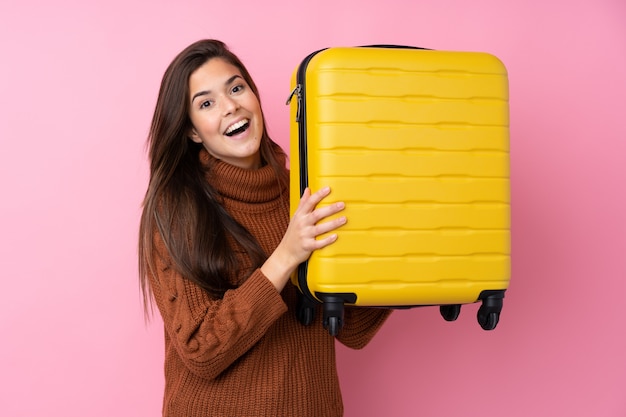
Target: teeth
x,y
236,126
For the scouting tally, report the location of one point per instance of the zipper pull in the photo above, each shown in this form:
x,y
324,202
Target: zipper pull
x,y
297,91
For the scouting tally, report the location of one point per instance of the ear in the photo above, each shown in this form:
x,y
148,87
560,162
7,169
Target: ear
x,y
193,135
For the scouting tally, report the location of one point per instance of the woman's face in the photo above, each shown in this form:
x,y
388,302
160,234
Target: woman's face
x,y
226,114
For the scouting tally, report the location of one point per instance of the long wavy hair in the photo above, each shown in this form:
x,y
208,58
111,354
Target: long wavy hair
x,y
180,204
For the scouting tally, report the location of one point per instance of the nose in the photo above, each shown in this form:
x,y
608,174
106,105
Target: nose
x,y
229,105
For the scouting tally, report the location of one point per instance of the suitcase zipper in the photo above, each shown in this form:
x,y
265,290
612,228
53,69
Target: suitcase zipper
x,y
300,92
296,92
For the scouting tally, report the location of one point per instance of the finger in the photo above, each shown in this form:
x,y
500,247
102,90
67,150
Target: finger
x,y
325,227
304,198
322,243
310,200
329,210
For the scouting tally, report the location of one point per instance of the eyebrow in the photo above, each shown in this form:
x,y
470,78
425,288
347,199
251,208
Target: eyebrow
x,y
205,92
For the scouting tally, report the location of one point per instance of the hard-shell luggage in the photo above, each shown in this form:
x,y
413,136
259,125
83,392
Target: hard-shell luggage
x,y
416,143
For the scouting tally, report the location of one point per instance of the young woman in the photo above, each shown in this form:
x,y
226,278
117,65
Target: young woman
x,y
217,248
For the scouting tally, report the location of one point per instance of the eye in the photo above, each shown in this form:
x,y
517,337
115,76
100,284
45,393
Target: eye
x,y
238,88
205,104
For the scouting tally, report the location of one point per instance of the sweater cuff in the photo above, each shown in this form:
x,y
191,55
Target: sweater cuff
x,y
261,295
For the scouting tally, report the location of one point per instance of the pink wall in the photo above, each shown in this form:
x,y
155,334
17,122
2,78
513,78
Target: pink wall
x,y
78,82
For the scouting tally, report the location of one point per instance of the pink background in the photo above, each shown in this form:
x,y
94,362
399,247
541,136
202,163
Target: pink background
x,y
78,82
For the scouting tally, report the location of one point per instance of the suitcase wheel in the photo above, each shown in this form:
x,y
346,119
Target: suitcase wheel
x,y
450,312
333,325
333,313
305,315
488,320
305,310
489,312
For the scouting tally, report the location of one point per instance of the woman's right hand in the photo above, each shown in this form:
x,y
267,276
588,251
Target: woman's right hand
x,y
301,237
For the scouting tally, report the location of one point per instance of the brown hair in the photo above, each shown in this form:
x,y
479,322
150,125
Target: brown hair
x,y
180,204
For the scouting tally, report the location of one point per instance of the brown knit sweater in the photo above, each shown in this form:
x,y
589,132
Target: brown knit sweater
x,y
246,354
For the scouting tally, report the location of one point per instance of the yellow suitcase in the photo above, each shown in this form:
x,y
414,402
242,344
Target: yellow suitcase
x,y
416,143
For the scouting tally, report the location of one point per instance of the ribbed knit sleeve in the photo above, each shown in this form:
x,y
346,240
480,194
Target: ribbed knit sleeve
x,y
361,324
210,334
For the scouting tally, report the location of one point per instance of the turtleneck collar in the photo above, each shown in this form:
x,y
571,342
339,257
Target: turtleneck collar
x,y
239,184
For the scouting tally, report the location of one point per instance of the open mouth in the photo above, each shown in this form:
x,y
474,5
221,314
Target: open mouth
x,y
237,128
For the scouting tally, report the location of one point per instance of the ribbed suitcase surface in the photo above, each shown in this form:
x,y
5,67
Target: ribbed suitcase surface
x,y
416,143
